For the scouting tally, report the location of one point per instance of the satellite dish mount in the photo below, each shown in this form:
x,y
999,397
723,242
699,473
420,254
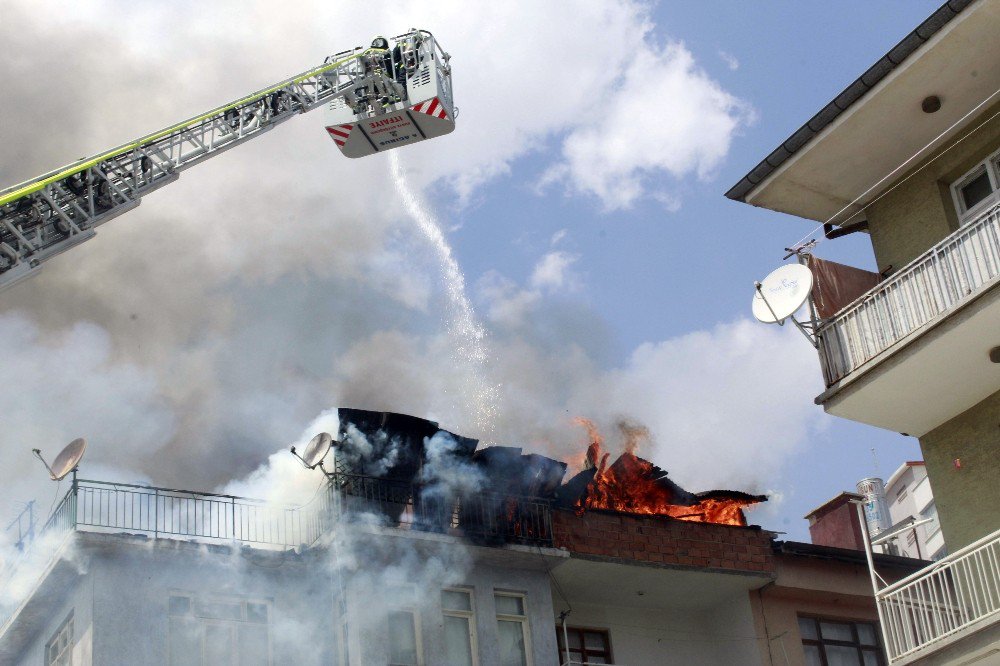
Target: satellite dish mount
x,y
67,461
315,451
780,295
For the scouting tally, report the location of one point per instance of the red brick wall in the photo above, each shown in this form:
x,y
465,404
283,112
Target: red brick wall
x,y
663,541
838,526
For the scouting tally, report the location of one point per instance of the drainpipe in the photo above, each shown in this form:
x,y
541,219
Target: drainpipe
x,y
562,620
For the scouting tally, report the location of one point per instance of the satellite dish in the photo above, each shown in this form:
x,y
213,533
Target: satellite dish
x,y
316,450
782,293
66,461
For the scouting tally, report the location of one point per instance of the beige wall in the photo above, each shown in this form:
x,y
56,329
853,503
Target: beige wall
x,y
968,497
919,212
810,586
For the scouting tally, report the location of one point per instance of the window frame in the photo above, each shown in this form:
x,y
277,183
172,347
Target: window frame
x,y
521,619
821,643
202,621
413,612
991,166
582,653
469,616
67,650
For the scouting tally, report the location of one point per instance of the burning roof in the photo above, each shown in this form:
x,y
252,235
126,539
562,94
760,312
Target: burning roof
x,y
396,447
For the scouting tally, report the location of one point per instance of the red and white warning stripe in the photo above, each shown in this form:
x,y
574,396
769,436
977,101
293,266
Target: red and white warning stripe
x,y
432,107
339,133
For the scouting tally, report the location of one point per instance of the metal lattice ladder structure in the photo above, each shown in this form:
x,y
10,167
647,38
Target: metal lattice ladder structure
x,y
52,213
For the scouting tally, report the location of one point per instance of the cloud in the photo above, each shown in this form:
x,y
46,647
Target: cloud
x,y
552,272
665,117
731,62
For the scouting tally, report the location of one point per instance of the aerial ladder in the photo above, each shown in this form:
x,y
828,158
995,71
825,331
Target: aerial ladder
x,y
392,94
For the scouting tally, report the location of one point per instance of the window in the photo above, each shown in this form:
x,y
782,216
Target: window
x,y
977,190
404,643
59,651
459,627
901,494
512,624
931,528
403,627
210,631
586,646
840,643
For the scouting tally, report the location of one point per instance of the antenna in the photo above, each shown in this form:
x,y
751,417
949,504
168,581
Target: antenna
x,y
780,295
67,460
316,450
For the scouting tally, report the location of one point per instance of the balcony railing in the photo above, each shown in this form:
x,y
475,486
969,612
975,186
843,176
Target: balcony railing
x,y
163,512
956,594
950,273
483,518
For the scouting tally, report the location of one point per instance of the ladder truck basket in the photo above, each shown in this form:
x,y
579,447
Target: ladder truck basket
x,y
405,97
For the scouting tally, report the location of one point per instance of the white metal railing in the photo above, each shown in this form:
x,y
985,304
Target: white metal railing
x,y
942,600
950,273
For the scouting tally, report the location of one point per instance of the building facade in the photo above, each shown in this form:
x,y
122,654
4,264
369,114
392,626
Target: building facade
x,y
135,575
910,154
909,495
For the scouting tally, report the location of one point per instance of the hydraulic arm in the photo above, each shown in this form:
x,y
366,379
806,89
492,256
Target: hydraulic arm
x,y
48,215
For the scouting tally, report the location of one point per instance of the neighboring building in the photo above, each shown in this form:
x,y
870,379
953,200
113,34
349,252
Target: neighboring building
x,y
910,153
909,495
381,571
836,524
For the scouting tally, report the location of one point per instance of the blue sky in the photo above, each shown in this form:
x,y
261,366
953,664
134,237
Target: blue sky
x,y
205,331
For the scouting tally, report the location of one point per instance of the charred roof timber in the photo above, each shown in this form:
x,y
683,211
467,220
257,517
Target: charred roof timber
x,y
850,95
411,472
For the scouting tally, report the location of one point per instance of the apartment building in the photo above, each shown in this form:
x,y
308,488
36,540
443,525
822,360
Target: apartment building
x,y
909,153
382,569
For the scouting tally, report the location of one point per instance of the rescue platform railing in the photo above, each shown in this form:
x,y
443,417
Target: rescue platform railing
x,y
951,273
958,594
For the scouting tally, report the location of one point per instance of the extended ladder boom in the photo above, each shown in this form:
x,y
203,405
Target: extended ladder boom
x,y
47,215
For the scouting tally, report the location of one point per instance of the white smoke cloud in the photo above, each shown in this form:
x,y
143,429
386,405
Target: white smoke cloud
x,y
280,279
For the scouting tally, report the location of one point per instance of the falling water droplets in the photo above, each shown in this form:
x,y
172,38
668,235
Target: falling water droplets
x,y
468,335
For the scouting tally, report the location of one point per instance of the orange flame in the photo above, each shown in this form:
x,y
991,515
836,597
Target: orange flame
x,y
634,485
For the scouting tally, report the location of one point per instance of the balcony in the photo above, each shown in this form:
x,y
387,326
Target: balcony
x,y
483,518
887,356
951,606
98,506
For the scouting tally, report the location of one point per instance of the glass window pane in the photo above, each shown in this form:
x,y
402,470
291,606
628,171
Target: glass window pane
x,y
402,638
457,641
836,631
838,655
218,610
866,634
180,605
456,600
511,644
871,658
975,190
257,613
219,648
507,605
813,657
594,640
185,642
253,646
574,639
807,627
591,659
